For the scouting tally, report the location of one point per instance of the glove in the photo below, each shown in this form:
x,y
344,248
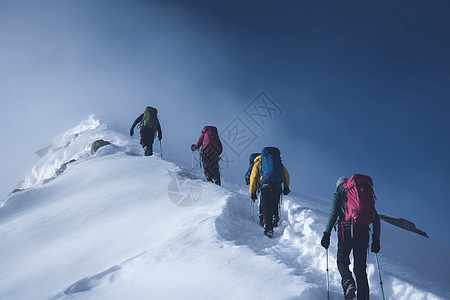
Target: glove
x,y
131,132
159,138
286,190
375,246
254,197
325,242
193,147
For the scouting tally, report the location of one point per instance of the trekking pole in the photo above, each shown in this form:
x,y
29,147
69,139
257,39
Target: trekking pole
x,y
160,148
379,274
253,208
279,210
132,142
279,205
220,171
328,280
192,163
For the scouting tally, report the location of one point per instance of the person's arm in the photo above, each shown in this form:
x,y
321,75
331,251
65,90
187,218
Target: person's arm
x,y
159,131
199,143
376,235
287,178
220,146
255,177
334,212
376,228
247,176
286,181
138,119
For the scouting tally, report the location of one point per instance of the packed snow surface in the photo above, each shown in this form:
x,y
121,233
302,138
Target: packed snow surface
x,y
118,225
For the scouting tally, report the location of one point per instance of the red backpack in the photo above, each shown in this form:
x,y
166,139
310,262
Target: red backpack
x,y
360,207
211,138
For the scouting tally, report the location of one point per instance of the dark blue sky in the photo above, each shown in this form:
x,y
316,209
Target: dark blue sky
x,y
365,83
364,86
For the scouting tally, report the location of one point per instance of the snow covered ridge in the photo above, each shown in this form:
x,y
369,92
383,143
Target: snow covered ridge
x,y
73,145
116,225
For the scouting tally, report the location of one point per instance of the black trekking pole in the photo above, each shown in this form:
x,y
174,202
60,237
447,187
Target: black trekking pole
x,y
379,274
328,279
160,148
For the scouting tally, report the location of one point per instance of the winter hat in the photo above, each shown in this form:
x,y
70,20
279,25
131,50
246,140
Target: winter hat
x,y
341,180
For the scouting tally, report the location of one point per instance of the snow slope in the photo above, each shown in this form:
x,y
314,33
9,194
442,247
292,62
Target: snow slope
x,y
118,225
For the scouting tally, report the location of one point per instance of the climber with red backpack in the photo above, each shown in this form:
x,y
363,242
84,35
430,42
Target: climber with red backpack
x,y
353,207
149,125
211,148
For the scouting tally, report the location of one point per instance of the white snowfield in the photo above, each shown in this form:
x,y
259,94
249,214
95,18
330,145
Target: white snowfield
x,y
118,225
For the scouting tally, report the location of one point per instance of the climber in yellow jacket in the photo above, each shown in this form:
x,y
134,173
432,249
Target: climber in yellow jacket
x,y
271,177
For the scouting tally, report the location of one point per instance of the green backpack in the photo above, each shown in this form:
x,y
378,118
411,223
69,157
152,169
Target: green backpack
x,y
150,118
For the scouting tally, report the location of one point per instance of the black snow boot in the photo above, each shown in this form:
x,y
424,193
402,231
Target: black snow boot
x,y
268,233
349,290
261,220
275,220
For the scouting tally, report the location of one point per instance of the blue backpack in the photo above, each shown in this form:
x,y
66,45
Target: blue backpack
x,y
250,167
271,167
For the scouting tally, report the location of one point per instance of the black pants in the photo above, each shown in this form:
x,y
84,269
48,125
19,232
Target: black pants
x,y
147,137
359,244
270,197
276,215
210,160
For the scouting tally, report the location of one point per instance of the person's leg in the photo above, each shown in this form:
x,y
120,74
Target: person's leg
x,y
207,167
147,137
267,208
211,165
360,261
143,137
149,149
270,205
276,214
345,245
216,171
261,210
